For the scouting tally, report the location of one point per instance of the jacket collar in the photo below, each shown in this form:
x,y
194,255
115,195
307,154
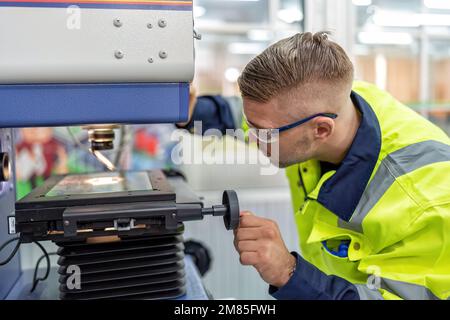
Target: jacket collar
x,y
342,191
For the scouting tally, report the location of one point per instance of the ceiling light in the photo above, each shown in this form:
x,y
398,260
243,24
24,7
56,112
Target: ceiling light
x,y
427,19
399,19
248,48
396,19
386,38
259,35
199,11
362,3
290,15
437,4
232,74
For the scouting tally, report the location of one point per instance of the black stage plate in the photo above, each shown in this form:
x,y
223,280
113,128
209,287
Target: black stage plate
x,y
98,188
76,207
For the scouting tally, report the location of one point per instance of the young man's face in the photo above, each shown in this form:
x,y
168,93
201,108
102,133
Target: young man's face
x,y
289,147
303,142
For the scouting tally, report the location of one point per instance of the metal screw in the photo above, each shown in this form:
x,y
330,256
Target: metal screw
x,y
174,216
149,25
150,60
66,223
163,54
162,23
118,54
117,23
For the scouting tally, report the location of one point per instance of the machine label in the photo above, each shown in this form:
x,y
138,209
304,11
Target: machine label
x,y
11,225
104,4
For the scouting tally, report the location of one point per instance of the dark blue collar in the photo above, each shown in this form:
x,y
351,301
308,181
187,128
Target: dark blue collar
x,y
341,193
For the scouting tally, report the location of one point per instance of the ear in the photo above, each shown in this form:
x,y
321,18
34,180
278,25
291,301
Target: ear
x,y
323,127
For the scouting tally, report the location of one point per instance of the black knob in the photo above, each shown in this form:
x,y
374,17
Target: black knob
x,y
231,218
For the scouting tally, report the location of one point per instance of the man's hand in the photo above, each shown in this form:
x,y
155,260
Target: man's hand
x,y
259,244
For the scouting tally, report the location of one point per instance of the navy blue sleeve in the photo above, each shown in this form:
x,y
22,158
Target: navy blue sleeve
x,y
309,283
214,112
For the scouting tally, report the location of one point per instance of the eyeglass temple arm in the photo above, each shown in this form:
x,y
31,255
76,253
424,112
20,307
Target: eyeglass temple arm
x,y
296,124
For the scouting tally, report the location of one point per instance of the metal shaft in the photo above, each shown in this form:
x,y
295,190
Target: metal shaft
x,y
216,211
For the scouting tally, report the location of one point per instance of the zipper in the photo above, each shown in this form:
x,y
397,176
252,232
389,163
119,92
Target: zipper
x,y
302,182
306,198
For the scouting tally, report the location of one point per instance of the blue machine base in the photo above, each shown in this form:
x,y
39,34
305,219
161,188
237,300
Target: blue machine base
x,y
52,105
48,290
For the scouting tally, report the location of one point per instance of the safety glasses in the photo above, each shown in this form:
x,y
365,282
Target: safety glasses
x,y
271,135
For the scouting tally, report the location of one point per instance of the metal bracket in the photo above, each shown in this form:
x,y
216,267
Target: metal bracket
x,y
124,224
121,216
197,35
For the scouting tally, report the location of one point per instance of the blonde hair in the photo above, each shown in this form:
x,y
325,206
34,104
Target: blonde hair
x,y
302,58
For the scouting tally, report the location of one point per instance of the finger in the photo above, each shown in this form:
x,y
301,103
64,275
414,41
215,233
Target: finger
x,y
235,242
248,234
236,230
252,221
246,213
247,246
248,258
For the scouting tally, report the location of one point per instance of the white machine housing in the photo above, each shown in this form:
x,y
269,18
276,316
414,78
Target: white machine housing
x,y
95,45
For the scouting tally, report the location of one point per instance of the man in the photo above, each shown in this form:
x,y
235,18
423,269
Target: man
x,y
370,181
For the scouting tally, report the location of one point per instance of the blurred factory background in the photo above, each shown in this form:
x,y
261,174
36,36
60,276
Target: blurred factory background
x,y
402,46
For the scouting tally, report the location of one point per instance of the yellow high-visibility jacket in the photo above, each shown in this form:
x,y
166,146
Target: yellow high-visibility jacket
x,y
381,220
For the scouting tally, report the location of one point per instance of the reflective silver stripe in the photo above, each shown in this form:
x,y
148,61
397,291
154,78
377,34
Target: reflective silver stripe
x,y
396,164
404,290
368,294
407,291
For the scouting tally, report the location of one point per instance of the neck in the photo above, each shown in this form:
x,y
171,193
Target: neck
x,y
339,145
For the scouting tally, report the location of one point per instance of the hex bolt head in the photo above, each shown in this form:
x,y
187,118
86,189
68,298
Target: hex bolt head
x,y
118,54
117,22
163,54
162,23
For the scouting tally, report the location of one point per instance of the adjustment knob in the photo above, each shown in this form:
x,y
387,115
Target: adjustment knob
x,y
232,216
